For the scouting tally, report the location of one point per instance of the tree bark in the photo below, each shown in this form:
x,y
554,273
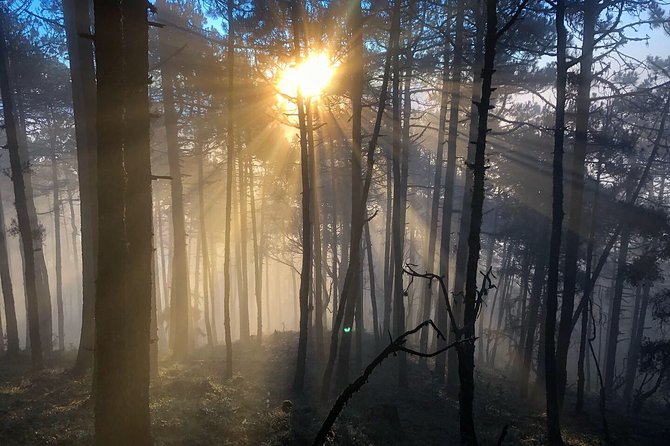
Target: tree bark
x,y
123,304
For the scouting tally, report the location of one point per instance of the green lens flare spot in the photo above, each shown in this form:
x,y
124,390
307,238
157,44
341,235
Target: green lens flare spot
x,y
347,329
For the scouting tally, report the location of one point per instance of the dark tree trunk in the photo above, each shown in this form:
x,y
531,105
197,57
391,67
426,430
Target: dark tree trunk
x,y
316,227
345,308
550,362
401,143
537,283
352,299
577,172
230,160
123,304
373,285
306,268
634,347
27,236
466,351
615,311
587,294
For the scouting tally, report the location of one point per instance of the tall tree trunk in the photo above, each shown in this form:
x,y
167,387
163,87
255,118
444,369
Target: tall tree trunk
x,y
466,351
44,304
456,70
577,172
75,314
306,269
316,227
7,290
123,304
345,309
82,72
401,135
258,261
388,251
179,299
373,285
351,291
615,311
634,347
435,199
230,160
537,283
243,259
587,293
464,226
207,290
25,228
550,361
57,245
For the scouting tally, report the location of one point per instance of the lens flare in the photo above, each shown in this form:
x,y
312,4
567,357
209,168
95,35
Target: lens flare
x,y
311,76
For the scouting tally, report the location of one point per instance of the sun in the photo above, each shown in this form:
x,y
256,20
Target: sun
x,y
311,76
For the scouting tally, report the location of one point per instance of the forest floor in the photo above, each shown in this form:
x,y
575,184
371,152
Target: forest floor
x,y
192,405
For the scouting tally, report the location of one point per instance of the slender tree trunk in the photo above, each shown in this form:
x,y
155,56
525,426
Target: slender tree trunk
x,y
25,228
306,269
57,245
347,303
316,226
435,199
587,294
123,304
388,263
615,311
230,160
179,299
574,220
82,72
258,261
537,283
243,259
456,70
634,347
206,268
401,135
7,289
466,351
373,285
550,362
73,225
44,304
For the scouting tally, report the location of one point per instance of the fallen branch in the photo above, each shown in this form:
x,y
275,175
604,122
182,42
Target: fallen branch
x,y
396,345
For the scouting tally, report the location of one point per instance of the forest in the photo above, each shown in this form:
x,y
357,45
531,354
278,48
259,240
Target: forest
x,y
334,222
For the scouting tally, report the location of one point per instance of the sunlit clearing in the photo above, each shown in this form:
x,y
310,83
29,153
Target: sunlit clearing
x,y
311,76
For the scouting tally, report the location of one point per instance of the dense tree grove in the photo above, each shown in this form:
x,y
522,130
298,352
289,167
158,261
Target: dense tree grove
x,y
466,199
